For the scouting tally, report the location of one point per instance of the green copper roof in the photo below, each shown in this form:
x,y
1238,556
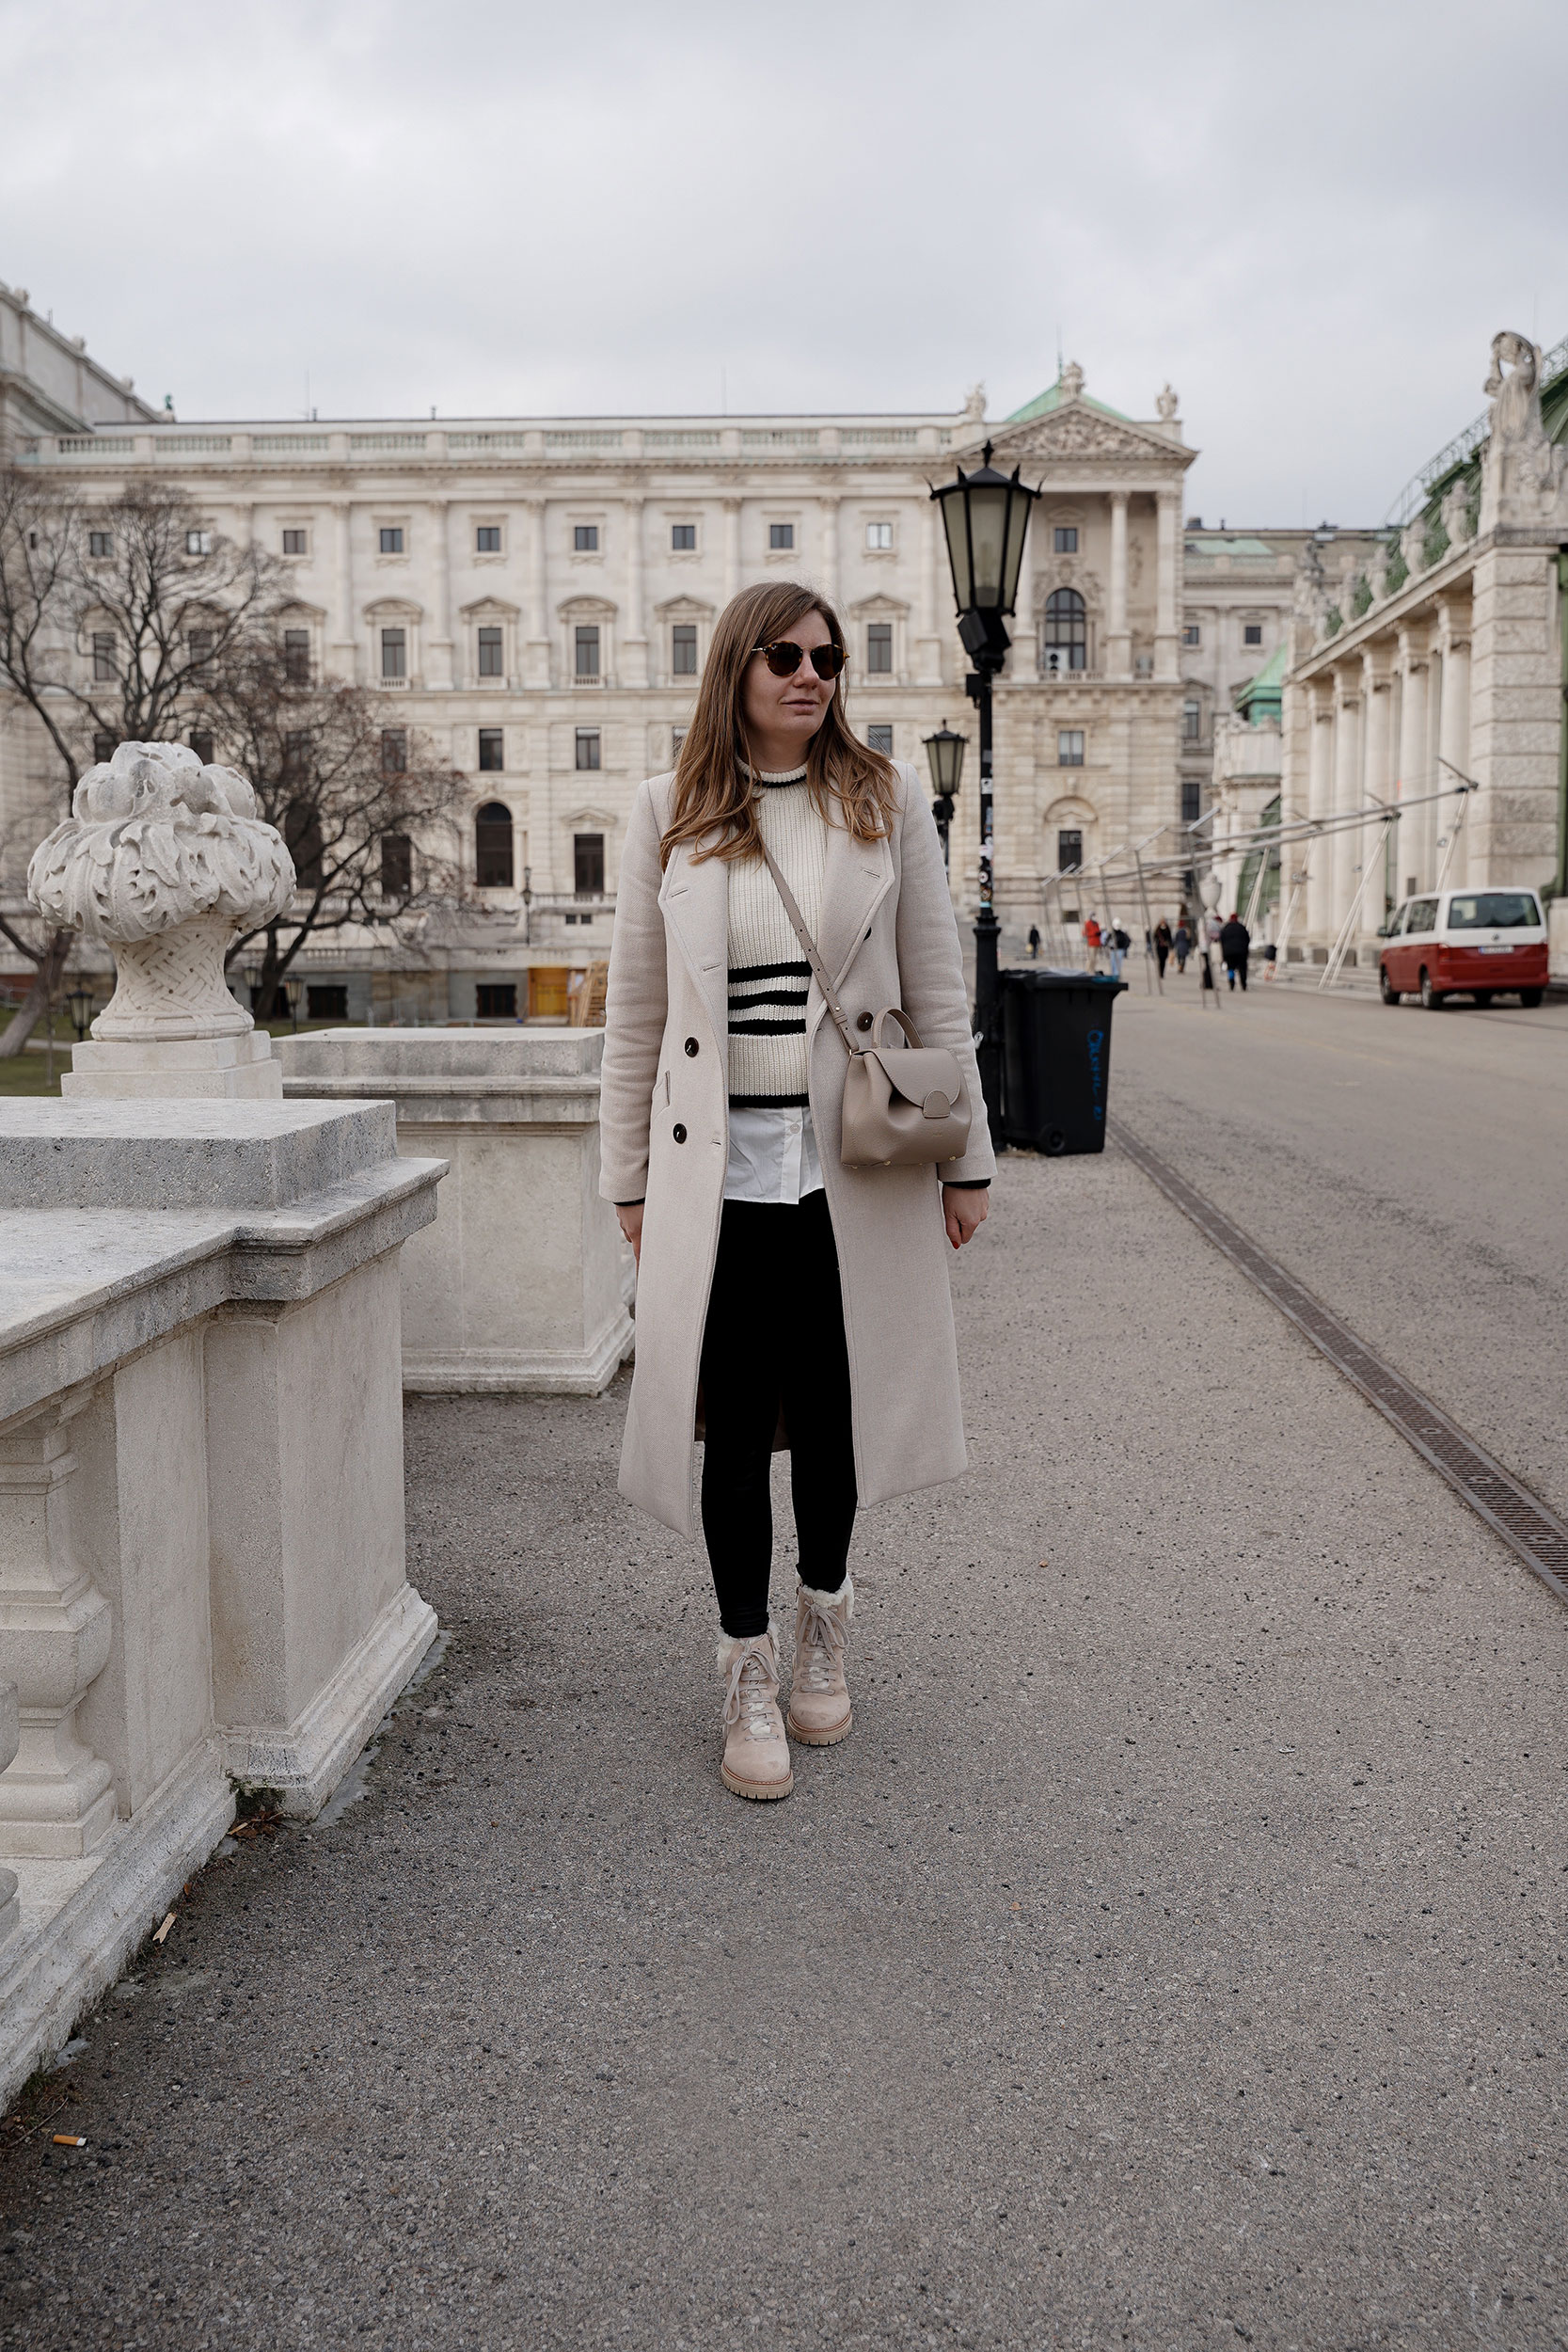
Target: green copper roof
x,y
1268,687
1212,544
1044,402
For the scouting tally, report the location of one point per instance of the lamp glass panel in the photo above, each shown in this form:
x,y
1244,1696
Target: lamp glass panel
x,y
945,753
955,522
1018,525
988,522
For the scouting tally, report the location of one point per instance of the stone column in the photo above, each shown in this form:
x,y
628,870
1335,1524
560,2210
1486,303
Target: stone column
x,y
167,893
55,1797
1370,859
928,603
1318,854
732,548
1166,649
633,648
1023,662
536,659
1454,733
1415,774
1347,792
827,516
1118,642
438,660
345,637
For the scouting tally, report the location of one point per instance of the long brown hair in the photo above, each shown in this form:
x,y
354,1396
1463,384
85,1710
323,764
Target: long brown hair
x,y
714,798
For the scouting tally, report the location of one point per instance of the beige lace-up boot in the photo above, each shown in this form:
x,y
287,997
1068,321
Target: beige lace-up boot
x,y
756,1753
819,1711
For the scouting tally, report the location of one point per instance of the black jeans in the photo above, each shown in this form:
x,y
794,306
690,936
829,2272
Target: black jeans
x,y
775,1336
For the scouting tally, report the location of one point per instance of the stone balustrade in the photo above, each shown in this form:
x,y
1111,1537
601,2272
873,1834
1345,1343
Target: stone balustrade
x,y
523,1280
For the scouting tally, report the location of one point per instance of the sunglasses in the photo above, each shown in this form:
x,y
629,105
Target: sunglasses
x,y
786,659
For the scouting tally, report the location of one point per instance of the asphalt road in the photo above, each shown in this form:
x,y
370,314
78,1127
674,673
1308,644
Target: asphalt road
x,y
1173,1957
1411,1167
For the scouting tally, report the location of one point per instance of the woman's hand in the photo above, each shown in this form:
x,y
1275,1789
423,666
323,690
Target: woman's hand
x,y
630,1220
964,1208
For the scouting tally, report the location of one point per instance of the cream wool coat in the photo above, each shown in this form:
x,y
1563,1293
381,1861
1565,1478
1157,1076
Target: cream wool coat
x,y
888,937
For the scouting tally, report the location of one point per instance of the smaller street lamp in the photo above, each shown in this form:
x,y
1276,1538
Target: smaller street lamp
x,y
944,755
79,1005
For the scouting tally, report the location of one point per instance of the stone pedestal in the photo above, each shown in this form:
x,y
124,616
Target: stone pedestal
x,y
522,1281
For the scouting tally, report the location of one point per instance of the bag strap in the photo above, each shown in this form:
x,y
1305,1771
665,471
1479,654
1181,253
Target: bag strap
x,y
819,970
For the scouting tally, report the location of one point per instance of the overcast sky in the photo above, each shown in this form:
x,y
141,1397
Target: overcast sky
x,y
1310,219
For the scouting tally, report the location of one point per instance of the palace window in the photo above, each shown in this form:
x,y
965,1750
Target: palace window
x,y
496,1000
1252,634
1069,849
493,845
102,654
303,834
878,648
391,538
879,538
1191,800
325,1000
198,543
492,750
490,653
394,653
585,539
588,747
297,656
101,542
677,737
587,641
588,864
397,865
488,539
1191,633
104,747
394,751
294,543
683,649
202,744
1192,723
297,753
199,648
1067,628
879,739
683,539
1066,537
781,535
1070,747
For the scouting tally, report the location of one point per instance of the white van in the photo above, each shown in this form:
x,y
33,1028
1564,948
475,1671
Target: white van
x,y
1478,943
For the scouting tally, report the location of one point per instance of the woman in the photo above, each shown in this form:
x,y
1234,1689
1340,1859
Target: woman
x,y
774,1284
1181,945
1163,943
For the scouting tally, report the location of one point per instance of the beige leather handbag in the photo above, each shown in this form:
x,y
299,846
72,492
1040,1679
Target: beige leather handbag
x,y
903,1106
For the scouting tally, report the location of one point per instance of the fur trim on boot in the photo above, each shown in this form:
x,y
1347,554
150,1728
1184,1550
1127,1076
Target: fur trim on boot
x,y
819,1711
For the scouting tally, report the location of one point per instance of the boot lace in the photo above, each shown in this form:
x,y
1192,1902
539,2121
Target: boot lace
x,y
821,1637
750,1690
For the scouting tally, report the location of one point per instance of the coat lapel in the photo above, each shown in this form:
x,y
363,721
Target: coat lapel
x,y
696,903
856,877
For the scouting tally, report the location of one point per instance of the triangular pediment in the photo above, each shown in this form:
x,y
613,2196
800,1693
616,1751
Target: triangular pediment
x,y
1079,430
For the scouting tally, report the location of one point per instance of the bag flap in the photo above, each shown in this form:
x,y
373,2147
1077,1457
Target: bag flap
x,y
926,1075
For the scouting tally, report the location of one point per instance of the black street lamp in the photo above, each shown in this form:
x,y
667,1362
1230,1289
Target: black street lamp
x,y
79,1005
986,516
945,753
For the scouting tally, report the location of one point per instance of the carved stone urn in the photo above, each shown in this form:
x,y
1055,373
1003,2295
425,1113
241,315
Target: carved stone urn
x,y
165,860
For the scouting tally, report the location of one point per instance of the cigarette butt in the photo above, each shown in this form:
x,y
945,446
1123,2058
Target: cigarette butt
x,y
68,2139
159,1934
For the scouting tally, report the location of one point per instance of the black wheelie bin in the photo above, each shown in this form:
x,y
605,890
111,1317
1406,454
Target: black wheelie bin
x,y
1055,1059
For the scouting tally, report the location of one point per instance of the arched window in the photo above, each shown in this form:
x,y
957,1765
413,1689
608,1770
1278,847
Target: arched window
x,y
493,845
1067,630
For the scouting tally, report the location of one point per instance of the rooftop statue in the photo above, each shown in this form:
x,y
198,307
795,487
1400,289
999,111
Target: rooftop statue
x,y
974,404
1521,468
1071,380
1166,406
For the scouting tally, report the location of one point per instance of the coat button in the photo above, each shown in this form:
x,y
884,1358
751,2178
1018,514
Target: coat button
x,y
863,1020
680,1135
690,1044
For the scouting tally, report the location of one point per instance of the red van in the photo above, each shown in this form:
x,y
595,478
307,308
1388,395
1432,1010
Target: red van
x,y
1466,943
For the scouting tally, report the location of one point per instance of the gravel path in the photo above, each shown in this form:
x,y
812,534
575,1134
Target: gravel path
x,y
1174,1956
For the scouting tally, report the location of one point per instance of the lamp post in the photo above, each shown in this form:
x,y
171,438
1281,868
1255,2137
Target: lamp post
x,y
986,516
944,755
79,1005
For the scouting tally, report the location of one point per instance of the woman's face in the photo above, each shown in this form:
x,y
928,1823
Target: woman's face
x,y
787,711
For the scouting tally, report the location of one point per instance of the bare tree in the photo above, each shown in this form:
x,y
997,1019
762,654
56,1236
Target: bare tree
x,y
115,623
368,816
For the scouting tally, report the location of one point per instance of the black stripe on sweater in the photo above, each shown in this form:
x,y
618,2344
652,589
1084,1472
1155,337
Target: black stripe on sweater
x,y
767,1028
770,972
770,1101
769,997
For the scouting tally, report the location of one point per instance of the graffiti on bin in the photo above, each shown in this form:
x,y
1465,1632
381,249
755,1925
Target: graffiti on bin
x,y
1096,1041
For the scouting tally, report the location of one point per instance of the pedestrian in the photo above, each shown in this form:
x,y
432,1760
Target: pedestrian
x,y
1235,939
1092,942
1163,943
778,1290
1117,942
1035,941
1182,945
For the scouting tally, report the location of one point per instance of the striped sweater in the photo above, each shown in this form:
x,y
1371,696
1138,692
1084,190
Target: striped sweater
x,y
768,974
